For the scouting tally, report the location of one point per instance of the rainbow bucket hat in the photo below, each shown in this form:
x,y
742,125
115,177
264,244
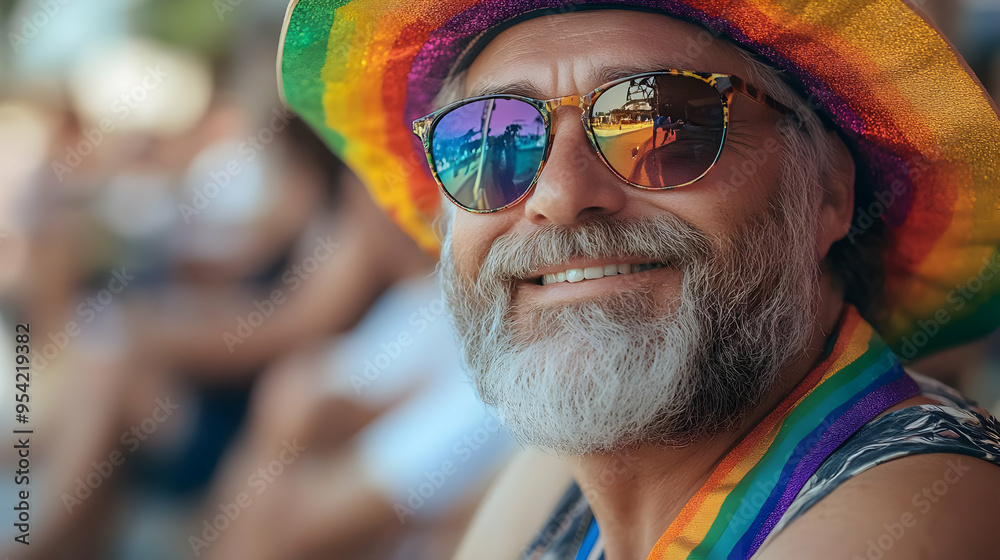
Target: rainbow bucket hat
x,y
918,121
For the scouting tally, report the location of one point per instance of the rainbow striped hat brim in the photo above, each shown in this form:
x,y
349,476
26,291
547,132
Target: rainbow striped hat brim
x,y
921,124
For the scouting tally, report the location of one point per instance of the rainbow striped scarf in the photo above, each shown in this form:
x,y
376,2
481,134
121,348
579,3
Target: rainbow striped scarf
x,y
744,498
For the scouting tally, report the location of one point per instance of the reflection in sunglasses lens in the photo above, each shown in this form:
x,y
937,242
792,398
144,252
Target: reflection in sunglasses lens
x,y
492,170
659,131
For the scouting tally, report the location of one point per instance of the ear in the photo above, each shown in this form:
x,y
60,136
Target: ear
x,y
837,208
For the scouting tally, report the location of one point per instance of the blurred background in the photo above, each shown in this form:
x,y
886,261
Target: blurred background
x,y
235,355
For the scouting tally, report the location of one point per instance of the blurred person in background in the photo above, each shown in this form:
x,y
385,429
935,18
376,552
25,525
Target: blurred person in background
x,y
194,268
118,205
395,445
96,206
419,399
370,416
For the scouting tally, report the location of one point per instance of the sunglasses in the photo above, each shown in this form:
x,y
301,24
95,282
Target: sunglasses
x,y
656,130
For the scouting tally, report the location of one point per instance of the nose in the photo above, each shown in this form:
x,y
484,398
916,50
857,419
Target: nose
x,y
575,185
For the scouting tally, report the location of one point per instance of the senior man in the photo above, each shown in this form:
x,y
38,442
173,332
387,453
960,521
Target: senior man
x,y
686,247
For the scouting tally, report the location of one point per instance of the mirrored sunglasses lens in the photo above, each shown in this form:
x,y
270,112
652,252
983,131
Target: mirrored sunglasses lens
x,y
659,131
492,170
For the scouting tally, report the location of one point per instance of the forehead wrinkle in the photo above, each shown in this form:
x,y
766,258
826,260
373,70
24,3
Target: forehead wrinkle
x,y
561,54
598,76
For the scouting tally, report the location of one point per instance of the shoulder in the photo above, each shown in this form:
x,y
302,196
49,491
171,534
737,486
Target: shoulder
x,y
922,481
924,506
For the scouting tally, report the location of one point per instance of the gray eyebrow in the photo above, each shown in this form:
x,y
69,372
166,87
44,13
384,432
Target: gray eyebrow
x,y
603,75
519,87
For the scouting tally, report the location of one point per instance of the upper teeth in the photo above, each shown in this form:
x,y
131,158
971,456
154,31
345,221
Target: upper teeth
x,y
594,272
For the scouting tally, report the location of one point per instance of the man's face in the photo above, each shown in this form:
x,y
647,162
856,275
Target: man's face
x,y
662,355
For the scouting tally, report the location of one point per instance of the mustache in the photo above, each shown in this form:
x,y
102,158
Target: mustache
x,y
665,239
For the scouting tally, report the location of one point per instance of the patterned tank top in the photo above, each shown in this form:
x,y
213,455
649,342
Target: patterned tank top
x,y
725,521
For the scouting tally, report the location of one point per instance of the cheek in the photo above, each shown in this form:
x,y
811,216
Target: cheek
x,y
738,188
746,179
472,235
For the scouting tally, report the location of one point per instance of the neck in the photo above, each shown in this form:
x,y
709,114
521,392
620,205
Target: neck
x,y
636,496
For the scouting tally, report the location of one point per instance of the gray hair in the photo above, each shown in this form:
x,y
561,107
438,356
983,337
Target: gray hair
x,y
854,262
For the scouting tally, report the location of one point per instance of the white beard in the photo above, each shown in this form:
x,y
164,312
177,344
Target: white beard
x,y
620,371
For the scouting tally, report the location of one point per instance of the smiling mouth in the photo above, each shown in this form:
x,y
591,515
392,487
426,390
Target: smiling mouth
x,y
574,275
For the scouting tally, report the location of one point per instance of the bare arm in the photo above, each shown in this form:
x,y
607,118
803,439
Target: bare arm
x,y
516,507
